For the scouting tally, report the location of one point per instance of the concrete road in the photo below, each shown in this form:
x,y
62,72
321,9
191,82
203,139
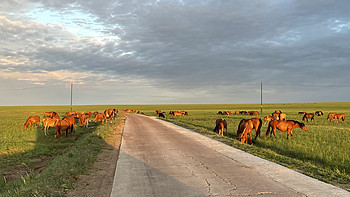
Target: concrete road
x,y
158,158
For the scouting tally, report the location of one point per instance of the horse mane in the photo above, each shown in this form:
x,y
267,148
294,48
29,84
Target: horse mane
x,y
297,122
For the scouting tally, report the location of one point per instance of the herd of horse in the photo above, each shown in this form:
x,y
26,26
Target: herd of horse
x,y
68,122
277,120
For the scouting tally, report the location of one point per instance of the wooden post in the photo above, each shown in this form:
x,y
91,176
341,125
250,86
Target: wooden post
x,y
261,98
71,97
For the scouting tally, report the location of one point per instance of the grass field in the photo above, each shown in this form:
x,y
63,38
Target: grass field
x,y
322,152
32,164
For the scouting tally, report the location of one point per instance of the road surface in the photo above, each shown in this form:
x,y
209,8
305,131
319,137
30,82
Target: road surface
x,y
158,158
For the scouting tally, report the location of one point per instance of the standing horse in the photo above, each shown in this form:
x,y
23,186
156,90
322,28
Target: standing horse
x,y
220,125
319,113
32,121
245,128
47,123
109,114
283,125
308,116
330,115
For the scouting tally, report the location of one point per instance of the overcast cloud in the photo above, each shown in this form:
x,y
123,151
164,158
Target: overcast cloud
x,y
173,51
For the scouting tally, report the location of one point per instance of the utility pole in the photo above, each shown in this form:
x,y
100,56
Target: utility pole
x,y
71,97
261,98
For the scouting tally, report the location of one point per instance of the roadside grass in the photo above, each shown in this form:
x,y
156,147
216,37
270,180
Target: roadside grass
x,y
32,164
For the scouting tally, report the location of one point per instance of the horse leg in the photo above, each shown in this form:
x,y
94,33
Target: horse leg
x,y
274,131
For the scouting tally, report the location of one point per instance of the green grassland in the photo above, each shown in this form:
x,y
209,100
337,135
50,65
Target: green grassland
x,y
322,152
32,164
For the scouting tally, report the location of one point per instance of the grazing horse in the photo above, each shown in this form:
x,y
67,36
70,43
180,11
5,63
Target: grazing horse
x,y
84,121
284,125
88,114
308,116
220,113
245,128
257,124
71,121
62,125
47,123
330,115
32,121
176,113
220,125
302,112
109,114
50,114
253,113
158,111
267,119
319,113
237,112
161,115
100,117
338,117
278,111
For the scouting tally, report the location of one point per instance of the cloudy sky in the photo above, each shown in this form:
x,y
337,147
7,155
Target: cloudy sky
x,y
173,51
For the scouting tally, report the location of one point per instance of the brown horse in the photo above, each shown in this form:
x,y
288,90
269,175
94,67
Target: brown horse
x,y
176,113
253,113
338,117
71,121
100,117
50,114
257,124
62,125
32,121
245,128
221,124
109,114
330,115
47,123
276,115
284,125
84,121
308,116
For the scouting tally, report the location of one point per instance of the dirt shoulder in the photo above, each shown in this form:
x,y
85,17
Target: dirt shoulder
x,y
99,180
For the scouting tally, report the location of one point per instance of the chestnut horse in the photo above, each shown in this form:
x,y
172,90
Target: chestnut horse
x,y
245,128
109,114
63,125
330,115
284,125
71,121
47,123
100,117
32,121
338,117
84,121
257,124
220,125
308,116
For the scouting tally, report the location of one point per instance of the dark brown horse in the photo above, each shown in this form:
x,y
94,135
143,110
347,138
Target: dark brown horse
x,y
32,121
318,113
245,128
220,125
308,116
284,125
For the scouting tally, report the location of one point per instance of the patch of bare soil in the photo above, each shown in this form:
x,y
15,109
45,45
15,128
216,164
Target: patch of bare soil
x,y
99,180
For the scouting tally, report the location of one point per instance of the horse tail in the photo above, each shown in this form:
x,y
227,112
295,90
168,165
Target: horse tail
x,y
259,128
268,129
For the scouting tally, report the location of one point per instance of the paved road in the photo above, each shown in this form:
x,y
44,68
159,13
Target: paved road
x,y
158,158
